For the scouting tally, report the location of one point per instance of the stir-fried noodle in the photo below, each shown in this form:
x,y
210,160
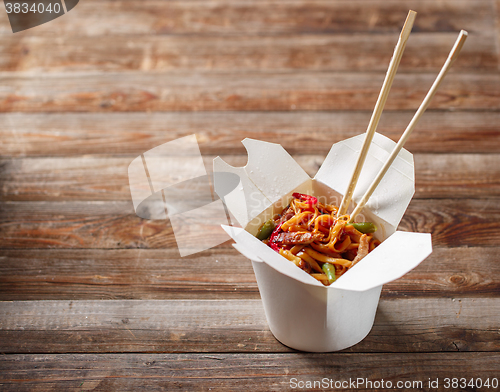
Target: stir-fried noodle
x,y
310,235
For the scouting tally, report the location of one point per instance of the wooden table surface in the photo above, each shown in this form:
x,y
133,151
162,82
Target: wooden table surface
x,y
95,298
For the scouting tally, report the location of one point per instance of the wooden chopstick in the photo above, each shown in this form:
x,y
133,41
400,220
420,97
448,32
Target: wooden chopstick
x,y
423,106
379,107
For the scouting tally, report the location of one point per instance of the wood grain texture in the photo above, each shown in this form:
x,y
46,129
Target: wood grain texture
x,y
219,133
109,225
496,10
98,18
106,178
455,223
104,225
266,91
94,298
339,52
439,324
229,372
220,273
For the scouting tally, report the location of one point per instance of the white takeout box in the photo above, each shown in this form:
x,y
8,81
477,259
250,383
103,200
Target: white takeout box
x,y
301,312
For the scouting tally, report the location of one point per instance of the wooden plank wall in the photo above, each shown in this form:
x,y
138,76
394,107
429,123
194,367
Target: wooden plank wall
x,y
94,297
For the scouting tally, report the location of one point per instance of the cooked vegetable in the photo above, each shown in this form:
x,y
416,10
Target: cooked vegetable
x,y
329,270
364,227
266,230
311,200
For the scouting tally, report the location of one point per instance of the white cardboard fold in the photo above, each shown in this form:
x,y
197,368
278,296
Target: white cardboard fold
x,y
341,314
402,252
393,194
269,174
245,190
253,250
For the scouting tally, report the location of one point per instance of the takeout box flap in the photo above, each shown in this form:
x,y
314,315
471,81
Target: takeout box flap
x,y
393,258
257,251
392,196
269,174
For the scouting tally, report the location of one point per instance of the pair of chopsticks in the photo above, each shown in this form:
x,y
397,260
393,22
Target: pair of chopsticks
x,y
379,107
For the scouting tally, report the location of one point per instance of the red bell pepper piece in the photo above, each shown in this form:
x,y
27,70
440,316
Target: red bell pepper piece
x,y
274,247
272,238
311,200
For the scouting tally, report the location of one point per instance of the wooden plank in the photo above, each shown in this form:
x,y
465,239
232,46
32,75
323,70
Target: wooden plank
x,y
402,325
450,174
80,225
496,5
454,223
339,52
264,17
230,372
60,134
220,273
106,178
109,225
246,91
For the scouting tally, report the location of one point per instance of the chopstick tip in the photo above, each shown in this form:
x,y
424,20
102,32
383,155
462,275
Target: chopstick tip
x,y
411,15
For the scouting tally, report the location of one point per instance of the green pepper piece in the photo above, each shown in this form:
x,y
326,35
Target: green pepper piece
x,y
364,227
266,230
329,270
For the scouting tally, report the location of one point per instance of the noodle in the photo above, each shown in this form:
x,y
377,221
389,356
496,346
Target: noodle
x,y
310,235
